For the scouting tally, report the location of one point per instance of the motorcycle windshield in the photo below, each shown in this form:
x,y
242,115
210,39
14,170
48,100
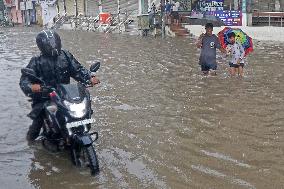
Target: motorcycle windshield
x,y
72,92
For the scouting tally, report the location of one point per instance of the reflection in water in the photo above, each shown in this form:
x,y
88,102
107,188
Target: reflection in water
x,y
161,123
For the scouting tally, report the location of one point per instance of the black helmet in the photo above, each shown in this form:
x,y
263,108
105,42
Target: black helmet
x,y
49,43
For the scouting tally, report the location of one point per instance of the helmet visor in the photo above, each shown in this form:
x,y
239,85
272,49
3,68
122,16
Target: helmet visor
x,y
50,38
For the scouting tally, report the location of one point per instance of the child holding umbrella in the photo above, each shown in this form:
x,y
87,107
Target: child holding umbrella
x,y
237,55
238,44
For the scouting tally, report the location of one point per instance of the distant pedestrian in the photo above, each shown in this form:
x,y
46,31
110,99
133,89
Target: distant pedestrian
x,y
168,10
152,13
237,56
208,43
153,8
175,13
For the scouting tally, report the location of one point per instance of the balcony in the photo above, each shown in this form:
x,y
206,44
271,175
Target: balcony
x,y
268,19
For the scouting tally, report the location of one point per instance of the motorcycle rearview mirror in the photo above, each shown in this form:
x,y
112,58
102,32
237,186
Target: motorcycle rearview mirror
x,y
94,67
30,73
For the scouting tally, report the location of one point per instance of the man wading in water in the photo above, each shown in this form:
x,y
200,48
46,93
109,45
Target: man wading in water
x,y
208,43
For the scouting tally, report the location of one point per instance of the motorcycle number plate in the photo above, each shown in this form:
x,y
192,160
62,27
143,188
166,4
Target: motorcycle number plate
x,y
78,123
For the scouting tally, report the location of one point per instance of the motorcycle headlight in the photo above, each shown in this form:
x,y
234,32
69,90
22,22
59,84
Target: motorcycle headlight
x,y
77,110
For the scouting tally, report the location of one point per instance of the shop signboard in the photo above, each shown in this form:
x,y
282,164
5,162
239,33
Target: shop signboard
x,y
210,5
230,18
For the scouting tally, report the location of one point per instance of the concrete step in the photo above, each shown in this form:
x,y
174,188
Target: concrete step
x,y
179,30
183,34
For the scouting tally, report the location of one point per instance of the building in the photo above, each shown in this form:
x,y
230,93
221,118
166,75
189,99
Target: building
x,y
250,10
20,11
13,12
2,9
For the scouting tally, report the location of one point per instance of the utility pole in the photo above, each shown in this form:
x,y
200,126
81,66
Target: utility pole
x,y
76,13
64,7
244,13
118,15
24,12
163,19
100,6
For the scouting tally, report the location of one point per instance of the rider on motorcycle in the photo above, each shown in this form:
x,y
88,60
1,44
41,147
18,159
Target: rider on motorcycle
x,y
54,66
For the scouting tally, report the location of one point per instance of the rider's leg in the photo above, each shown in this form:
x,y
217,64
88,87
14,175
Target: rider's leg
x,y
34,128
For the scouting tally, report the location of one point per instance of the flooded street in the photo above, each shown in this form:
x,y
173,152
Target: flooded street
x,y
161,123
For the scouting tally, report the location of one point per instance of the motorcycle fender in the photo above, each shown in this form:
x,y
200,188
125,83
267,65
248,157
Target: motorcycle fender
x,y
85,140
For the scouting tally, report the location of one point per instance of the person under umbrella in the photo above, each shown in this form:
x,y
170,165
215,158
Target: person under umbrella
x,y
237,55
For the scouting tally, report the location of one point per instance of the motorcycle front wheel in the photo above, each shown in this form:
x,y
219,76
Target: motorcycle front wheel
x,y
86,157
92,158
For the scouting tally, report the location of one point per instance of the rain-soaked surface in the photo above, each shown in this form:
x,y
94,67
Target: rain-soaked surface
x,y
161,123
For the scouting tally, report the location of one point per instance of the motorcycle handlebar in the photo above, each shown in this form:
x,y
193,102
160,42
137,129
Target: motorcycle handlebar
x,y
46,89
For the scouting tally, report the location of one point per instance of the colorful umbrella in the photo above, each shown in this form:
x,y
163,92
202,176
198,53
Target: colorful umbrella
x,y
241,37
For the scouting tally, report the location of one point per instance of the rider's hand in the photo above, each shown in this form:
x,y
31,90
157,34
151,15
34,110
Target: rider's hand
x,y
36,88
95,81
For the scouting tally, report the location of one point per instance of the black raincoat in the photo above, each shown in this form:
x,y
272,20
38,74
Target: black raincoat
x,y
53,71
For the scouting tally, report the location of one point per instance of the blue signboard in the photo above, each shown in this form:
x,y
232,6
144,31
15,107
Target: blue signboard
x,y
210,5
230,18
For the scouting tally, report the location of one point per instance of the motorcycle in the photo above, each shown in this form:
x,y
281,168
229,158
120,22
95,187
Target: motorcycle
x,y
67,120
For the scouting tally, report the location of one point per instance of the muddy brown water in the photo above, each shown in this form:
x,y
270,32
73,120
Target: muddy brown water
x,y
161,123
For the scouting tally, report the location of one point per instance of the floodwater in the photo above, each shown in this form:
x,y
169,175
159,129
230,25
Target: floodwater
x,y
161,123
